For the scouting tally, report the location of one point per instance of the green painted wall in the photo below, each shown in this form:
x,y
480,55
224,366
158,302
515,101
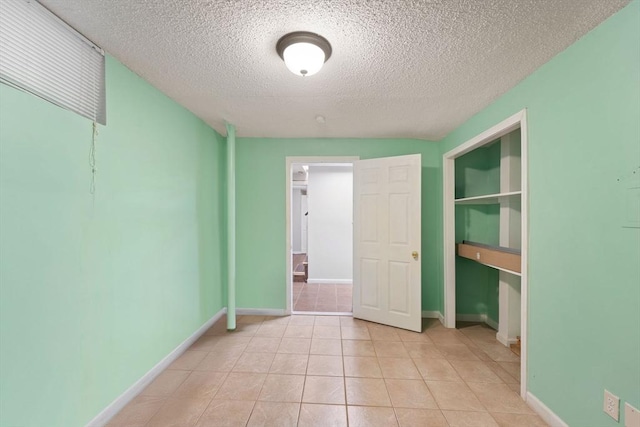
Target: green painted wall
x,y
477,173
260,167
584,293
96,290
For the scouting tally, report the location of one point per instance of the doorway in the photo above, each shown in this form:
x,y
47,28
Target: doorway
x,y
320,235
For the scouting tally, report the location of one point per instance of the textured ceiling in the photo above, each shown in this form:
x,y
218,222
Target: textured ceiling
x,y
400,68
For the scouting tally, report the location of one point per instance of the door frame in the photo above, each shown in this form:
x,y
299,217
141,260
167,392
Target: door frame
x,y
518,120
289,161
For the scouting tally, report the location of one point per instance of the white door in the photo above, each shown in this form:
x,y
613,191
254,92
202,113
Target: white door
x,y
387,219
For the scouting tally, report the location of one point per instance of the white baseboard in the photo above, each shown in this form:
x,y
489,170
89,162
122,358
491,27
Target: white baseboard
x,y
330,281
492,323
505,340
545,413
431,315
483,318
471,317
121,401
260,312
323,313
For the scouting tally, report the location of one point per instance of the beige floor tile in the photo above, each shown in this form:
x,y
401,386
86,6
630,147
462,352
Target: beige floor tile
x,y
383,333
282,388
410,336
325,365
165,383
480,354
429,324
188,360
364,367
499,371
420,418
217,362
456,396
362,416
245,330
499,353
469,419
481,335
456,351
367,392
327,347
217,329
515,387
518,420
314,415
179,413
390,349
475,371
398,368
327,321
321,306
422,350
254,362
444,337
205,343
354,333
249,318
410,394
232,343
263,345
466,341
326,332
200,384
302,320
298,331
350,321
500,398
226,413
328,390
295,345
436,370
241,386
289,364
357,348
277,320
138,412
512,368
271,330
274,414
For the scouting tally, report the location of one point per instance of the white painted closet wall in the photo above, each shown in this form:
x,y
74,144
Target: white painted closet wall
x,y
330,224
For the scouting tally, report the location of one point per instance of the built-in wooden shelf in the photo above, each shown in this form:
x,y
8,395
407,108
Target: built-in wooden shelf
x,y
488,199
503,259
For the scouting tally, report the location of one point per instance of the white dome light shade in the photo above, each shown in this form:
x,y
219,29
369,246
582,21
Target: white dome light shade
x,y
303,53
303,59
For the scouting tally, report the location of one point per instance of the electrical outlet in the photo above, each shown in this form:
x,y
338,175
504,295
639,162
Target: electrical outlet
x,y
611,405
631,416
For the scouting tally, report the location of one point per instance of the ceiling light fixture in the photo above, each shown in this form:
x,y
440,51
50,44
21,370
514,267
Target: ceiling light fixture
x,y
303,53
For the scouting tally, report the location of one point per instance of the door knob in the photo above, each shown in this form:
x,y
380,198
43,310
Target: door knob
x,y
414,254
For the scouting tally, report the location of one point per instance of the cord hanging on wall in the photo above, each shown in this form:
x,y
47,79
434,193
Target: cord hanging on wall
x,y
92,158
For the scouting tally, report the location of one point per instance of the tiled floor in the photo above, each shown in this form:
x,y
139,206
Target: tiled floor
x,y
335,371
324,298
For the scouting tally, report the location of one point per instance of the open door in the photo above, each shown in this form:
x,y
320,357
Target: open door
x,y
387,220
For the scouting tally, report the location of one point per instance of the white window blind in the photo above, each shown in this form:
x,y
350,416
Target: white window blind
x,y
41,54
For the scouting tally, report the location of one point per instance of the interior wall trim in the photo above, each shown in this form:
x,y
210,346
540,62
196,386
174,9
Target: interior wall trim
x,y
121,401
543,410
260,311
